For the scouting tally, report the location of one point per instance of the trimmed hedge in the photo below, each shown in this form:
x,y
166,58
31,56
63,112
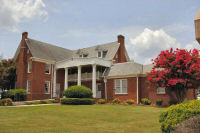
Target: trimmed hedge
x,y
176,114
78,91
77,101
15,94
48,101
6,102
145,101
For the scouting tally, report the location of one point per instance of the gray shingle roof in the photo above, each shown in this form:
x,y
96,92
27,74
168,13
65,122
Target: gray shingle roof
x,y
127,68
111,49
47,51
54,53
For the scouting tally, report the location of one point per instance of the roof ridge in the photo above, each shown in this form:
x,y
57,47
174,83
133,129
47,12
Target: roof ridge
x,y
96,45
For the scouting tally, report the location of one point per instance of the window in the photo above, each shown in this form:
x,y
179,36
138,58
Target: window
x,y
161,90
83,55
104,54
28,86
47,87
120,86
29,66
101,54
47,70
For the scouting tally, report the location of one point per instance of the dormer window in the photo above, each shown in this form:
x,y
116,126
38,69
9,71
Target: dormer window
x,y
83,55
102,54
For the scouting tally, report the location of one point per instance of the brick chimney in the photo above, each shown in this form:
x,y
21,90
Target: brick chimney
x,y
121,52
22,63
24,36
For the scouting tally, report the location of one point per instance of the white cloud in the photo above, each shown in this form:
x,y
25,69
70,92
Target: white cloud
x,y
13,12
149,43
192,45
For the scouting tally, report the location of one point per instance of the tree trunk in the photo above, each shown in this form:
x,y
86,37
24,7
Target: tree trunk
x,y
180,94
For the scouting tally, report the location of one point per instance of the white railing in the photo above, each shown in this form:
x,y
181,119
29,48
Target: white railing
x,y
84,76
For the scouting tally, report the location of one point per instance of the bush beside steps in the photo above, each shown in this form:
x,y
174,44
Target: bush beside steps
x,y
77,101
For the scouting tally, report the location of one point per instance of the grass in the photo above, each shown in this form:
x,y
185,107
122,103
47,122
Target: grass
x,y
80,118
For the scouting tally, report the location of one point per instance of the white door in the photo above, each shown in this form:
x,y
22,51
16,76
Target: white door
x,y
58,90
98,91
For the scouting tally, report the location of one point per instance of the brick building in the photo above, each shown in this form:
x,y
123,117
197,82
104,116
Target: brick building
x,y
45,70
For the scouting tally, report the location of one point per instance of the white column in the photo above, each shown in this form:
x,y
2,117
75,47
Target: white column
x,y
54,83
79,75
94,80
66,78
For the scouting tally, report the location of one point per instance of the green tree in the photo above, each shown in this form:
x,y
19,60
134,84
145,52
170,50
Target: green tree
x,y
7,74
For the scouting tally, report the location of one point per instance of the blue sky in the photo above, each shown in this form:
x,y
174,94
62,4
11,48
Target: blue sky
x,y
149,26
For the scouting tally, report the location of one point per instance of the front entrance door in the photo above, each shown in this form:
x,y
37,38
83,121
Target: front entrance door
x,y
58,90
98,91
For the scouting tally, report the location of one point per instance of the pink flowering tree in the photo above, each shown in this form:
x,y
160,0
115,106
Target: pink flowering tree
x,y
177,70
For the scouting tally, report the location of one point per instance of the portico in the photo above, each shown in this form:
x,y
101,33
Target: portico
x,y
78,70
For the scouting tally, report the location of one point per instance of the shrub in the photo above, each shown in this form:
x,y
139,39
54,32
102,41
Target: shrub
x,y
77,101
78,91
172,102
15,94
53,101
159,102
116,101
145,101
44,102
6,102
176,114
101,101
192,125
130,101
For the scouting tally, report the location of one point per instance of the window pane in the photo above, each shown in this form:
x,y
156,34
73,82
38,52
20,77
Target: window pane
x,y
29,66
28,86
47,68
124,86
85,55
117,86
104,54
47,87
160,90
99,54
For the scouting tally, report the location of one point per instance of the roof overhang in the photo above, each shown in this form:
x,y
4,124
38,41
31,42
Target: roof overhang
x,y
82,61
125,76
42,60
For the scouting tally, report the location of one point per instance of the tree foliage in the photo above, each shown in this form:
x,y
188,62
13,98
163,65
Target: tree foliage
x,y
7,74
177,70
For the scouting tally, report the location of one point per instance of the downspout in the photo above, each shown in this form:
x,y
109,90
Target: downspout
x,y
137,89
105,81
52,68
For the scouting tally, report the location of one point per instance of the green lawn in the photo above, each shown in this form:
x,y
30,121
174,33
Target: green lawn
x,y
80,119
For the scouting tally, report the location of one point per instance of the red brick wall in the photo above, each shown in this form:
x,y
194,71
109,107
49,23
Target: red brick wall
x,y
145,91
38,81
131,89
151,93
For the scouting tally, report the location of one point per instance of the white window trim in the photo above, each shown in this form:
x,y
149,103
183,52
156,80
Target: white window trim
x,y
101,54
121,86
27,85
29,65
48,88
163,92
49,69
